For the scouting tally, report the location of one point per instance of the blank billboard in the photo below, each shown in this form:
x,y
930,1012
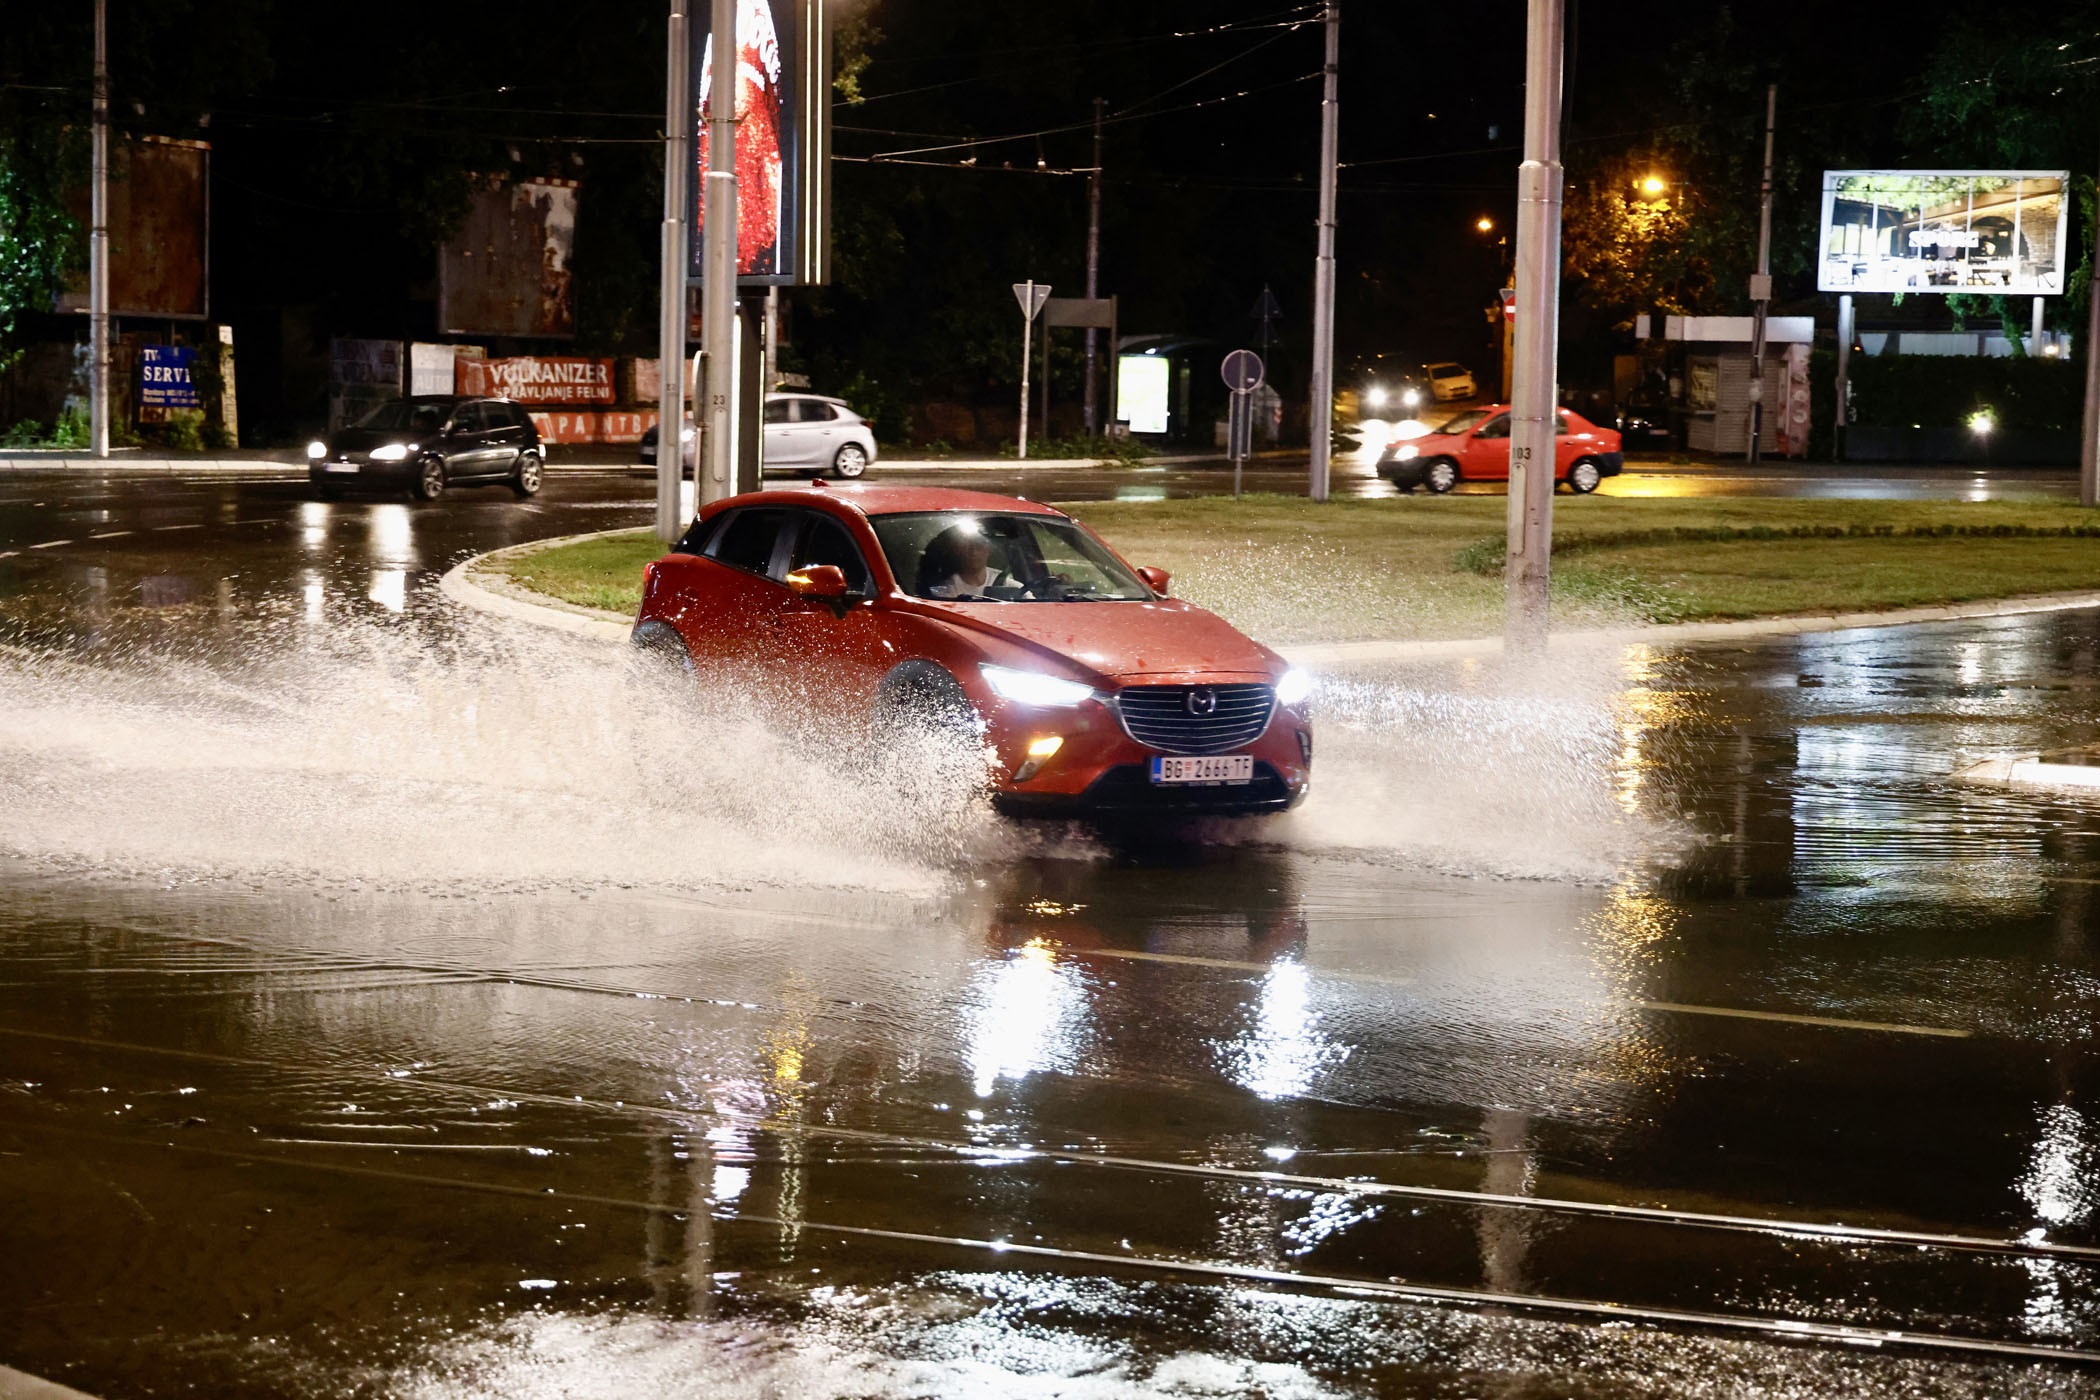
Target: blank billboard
x,y
1142,392
159,230
508,270
1939,231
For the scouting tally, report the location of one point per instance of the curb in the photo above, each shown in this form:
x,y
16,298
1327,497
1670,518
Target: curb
x,y
20,1385
498,596
494,595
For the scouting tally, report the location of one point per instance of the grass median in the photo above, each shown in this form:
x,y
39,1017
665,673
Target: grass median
x,y
1427,567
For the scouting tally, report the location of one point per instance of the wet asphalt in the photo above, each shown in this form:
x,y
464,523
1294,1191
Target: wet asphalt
x,y
391,1005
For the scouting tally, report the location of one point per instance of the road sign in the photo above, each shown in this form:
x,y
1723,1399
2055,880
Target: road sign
x,y
1509,302
1031,295
1242,371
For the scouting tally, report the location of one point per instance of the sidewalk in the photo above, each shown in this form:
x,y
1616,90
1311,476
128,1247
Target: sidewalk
x,y
287,461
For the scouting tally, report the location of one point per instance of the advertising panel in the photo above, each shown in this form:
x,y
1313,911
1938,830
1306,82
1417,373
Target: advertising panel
x,y
164,377
1142,392
1941,231
783,141
159,231
537,379
362,374
508,271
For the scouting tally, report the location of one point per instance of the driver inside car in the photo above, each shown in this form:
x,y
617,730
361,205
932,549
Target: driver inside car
x,y
958,564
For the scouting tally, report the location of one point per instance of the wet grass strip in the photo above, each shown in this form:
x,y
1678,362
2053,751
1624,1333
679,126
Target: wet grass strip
x,y
1428,567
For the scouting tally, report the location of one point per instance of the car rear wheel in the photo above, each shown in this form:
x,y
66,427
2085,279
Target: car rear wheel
x,y
1440,475
1584,476
851,461
530,476
430,479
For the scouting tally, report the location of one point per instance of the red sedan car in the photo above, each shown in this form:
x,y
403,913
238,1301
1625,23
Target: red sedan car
x,y
1474,446
1094,691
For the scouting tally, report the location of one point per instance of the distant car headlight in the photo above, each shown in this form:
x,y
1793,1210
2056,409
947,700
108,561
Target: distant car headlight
x,y
1406,451
687,436
1033,687
393,452
1411,397
1375,396
315,451
1293,687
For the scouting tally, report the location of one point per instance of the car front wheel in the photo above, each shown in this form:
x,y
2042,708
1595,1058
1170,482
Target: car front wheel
x,y
1441,475
1583,477
430,479
851,461
530,476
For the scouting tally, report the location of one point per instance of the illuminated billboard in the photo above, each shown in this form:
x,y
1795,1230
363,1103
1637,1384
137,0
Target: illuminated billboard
x,y
1142,389
1926,231
783,141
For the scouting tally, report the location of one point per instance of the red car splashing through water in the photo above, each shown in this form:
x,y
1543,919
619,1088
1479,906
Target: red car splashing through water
x,y
1095,691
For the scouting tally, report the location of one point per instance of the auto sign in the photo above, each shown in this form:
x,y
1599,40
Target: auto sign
x,y
164,377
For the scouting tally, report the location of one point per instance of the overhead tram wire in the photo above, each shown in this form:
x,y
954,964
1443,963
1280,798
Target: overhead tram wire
x,y
1129,113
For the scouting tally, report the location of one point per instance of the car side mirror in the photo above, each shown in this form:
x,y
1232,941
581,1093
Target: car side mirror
x,y
1155,579
822,583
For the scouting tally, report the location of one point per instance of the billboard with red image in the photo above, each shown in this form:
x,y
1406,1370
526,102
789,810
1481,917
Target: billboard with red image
x,y
783,139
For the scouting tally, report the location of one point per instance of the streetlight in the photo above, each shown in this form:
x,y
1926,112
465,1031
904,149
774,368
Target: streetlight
x,y
1652,186
1484,224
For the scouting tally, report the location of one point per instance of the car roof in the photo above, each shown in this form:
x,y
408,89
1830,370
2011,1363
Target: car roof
x,y
895,500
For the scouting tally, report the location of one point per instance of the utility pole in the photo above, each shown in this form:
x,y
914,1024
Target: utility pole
x,y
2089,445
1761,285
98,247
718,260
671,293
1093,269
1322,416
1844,384
1536,335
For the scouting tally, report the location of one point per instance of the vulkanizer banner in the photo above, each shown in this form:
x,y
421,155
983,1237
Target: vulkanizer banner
x,y
537,379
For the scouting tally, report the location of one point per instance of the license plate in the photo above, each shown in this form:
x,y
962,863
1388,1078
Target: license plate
x,y
1221,769
339,466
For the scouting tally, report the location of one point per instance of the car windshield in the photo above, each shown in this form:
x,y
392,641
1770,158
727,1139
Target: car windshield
x,y
1446,371
1472,417
978,556
403,416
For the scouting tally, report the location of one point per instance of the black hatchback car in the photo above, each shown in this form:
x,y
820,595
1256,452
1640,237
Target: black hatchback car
x,y
427,443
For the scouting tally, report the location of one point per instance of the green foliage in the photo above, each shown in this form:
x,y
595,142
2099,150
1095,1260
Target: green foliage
x,y
185,431
71,429
1123,451
27,433
1942,391
40,242
853,43
887,413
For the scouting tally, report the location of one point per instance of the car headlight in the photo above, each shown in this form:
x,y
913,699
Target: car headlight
x,y
393,452
316,450
1411,397
1033,687
1293,687
687,436
1405,451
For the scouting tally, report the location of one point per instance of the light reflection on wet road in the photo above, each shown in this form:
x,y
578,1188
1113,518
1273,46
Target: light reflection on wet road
x,y
358,1035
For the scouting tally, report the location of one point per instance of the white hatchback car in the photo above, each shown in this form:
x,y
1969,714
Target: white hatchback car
x,y
802,433
1448,381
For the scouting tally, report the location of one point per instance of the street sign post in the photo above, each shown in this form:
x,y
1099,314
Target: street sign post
x,y
1242,372
1031,295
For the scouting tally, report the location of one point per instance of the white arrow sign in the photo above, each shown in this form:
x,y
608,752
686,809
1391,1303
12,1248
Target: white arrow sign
x,y
1031,295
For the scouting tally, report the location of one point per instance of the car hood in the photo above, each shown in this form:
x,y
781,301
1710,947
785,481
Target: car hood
x,y
1120,640
365,439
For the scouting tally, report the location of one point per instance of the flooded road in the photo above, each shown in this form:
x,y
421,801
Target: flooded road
x,y
393,1003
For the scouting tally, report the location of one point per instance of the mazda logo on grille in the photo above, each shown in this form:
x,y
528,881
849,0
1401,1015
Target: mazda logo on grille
x,y
1201,701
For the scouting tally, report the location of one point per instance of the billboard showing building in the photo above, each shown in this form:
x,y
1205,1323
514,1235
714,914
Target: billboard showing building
x,y
508,271
783,141
1979,231
159,230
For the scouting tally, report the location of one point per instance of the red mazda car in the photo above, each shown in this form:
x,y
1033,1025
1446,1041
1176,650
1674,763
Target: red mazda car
x,y
1095,692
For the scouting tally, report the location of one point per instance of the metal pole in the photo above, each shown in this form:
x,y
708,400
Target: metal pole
x,y
1761,285
772,367
1044,404
671,293
1535,336
1844,384
98,247
2034,337
718,291
2089,429
1323,267
1093,269
1027,340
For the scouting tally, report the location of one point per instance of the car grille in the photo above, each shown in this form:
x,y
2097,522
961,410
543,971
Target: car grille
x,y
1159,716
